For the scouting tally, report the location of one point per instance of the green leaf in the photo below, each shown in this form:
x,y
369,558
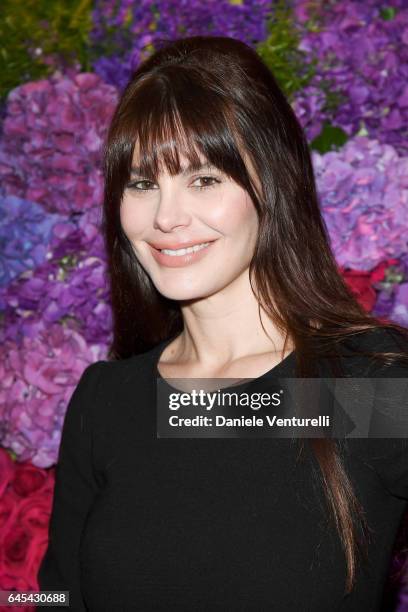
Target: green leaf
x,y
11,453
291,67
39,36
331,137
388,12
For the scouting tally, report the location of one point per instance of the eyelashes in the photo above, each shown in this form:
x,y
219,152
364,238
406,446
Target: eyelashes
x,y
133,186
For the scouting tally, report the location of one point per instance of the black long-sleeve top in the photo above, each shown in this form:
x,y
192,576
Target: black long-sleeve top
x,y
146,523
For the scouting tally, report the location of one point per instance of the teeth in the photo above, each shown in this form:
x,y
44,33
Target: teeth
x,y
193,249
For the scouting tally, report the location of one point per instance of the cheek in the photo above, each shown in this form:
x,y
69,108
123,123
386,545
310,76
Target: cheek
x,y
236,213
132,219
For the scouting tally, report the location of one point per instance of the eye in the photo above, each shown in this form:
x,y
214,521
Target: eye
x,y
134,185
206,178
146,185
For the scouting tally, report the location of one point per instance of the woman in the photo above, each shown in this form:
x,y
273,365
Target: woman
x,y
205,150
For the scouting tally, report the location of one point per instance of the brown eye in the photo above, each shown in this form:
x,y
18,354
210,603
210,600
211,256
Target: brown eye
x,y
206,178
135,185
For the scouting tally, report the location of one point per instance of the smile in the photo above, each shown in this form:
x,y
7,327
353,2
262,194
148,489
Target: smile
x,y
192,249
176,258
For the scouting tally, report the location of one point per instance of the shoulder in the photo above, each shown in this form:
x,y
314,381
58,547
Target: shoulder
x,y
103,383
358,350
108,390
118,371
386,452
379,339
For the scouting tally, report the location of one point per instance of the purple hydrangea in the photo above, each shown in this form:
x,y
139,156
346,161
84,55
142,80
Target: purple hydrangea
x,y
70,287
364,200
362,53
38,377
125,32
392,293
399,310
51,146
26,229
309,107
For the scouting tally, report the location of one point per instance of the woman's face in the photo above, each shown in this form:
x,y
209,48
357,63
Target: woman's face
x,y
192,208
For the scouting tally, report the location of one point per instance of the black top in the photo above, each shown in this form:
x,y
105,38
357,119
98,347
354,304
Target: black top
x,y
141,523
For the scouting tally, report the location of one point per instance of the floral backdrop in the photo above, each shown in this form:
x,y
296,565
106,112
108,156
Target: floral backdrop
x,y
343,66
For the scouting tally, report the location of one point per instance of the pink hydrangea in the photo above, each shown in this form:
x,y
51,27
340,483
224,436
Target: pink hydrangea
x,y
38,378
363,190
53,133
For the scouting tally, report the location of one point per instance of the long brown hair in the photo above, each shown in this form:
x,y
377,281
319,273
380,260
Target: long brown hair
x,y
215,95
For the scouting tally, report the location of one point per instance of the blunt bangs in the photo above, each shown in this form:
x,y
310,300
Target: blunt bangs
x,y
161,122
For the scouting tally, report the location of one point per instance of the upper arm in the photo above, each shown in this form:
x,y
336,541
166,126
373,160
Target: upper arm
x,y
75,489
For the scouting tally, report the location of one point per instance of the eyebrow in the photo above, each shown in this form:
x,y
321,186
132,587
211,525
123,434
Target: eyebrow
x,y
135,171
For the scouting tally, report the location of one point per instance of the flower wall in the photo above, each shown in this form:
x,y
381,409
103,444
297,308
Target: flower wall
x,y
343,66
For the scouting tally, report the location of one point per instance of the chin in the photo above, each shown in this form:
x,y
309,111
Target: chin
x,y
180,293
181,296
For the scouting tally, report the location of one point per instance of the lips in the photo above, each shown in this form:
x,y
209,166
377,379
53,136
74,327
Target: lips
x,y
177,261
177,245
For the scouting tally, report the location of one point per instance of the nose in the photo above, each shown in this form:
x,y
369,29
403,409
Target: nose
x,y
171,212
